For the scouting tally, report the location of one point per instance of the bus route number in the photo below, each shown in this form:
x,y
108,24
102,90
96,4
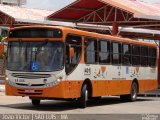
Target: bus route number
x,y
87,71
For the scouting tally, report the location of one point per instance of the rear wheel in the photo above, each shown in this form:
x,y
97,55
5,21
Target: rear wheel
x,y
84,97
134,92
35,102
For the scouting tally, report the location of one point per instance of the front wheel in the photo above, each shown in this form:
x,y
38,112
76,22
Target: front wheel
x,y
84,97
35,102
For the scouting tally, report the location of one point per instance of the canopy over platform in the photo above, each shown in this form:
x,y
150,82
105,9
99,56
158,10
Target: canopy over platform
x,y
13,15
134,33
115,13
27,16
105,12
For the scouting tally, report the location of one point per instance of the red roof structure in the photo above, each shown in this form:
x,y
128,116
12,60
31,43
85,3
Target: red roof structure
x,y
124,12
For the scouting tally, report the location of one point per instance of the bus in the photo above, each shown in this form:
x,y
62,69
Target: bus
x,y
56,62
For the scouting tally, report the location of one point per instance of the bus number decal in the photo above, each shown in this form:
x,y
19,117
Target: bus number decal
x,y
87,71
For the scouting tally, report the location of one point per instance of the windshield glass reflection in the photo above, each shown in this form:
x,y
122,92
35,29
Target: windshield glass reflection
x,y
35,56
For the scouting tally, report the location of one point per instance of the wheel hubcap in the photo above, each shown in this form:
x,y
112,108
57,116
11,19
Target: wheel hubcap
x,y
134,93
86,95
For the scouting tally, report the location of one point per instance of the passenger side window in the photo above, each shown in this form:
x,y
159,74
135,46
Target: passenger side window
x,y
135,55
126,57
116,53
144,56
104,52
152,57
91,51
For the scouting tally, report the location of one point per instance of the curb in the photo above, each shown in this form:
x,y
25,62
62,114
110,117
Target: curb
x,y
2,88
155,93
2,91
148,95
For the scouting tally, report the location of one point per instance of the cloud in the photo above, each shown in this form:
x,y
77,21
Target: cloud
x,y
56,4
151,0
48,4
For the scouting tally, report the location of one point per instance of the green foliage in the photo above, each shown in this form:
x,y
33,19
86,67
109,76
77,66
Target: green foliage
x,y
1,37
4,34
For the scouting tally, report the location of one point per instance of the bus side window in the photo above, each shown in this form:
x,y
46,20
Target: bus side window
x,y
116,53
135,55
152,57
75,42
91,51
126,54
144,56
104,52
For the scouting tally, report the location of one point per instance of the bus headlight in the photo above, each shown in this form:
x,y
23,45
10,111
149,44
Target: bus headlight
x,y
59,80
49,85
11,83
53,83
7,78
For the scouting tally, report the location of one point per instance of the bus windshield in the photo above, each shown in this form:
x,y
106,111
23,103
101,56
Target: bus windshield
x,y
35,56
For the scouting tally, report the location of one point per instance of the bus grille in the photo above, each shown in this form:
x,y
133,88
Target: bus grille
x,y
36,92
35,85
30,76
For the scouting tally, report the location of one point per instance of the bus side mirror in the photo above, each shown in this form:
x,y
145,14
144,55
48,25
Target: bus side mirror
x,y
71,51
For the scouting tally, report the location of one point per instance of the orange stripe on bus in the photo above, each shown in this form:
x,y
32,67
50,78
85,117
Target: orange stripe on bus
x,y
72,89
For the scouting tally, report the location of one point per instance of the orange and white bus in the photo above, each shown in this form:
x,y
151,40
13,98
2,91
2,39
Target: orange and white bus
x,y
53,62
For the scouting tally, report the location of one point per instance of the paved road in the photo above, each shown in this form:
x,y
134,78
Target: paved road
x,y
107,105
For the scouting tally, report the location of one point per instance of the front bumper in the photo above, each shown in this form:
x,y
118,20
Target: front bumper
x,y
63,90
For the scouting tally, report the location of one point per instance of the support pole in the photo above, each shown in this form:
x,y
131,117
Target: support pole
x,y
159,66
115,28
11,26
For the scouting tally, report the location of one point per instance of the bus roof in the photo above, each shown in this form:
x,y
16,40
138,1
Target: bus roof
x,y
75,31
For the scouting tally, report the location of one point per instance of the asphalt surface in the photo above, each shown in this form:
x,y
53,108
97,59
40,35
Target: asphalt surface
x,y
107,108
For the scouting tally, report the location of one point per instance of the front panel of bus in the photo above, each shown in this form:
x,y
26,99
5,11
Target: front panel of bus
x,y
35,63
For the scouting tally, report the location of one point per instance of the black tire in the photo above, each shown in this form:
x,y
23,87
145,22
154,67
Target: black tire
x,y
35,102
84,97
133,92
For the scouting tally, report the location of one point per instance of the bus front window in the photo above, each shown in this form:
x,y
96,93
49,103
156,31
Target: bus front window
x,y
35,56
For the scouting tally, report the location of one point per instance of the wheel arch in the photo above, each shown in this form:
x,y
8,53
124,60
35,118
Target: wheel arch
x,y
89,86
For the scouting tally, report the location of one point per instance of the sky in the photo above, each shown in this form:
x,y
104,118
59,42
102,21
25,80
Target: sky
x,y
151,0
48,4
56,4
